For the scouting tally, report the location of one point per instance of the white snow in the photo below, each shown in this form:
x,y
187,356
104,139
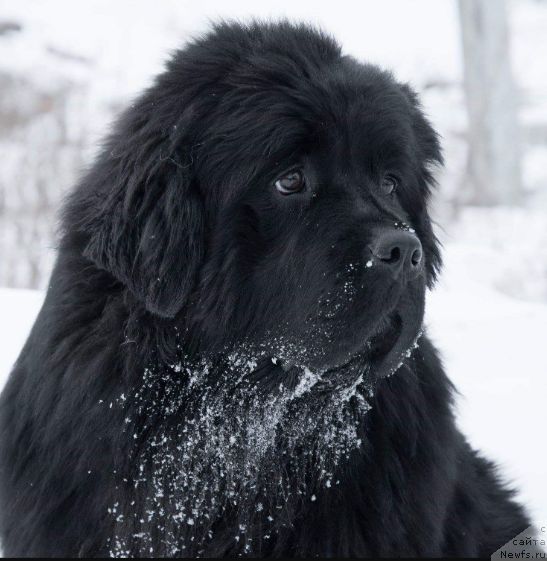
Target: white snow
x,y
307,382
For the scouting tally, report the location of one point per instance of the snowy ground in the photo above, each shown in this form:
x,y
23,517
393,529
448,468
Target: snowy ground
x,y
18,309
494,350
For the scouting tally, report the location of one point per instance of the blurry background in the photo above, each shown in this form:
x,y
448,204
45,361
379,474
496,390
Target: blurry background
x,y
67,68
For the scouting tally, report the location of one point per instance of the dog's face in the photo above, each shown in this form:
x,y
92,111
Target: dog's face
x,y
292,187
321,230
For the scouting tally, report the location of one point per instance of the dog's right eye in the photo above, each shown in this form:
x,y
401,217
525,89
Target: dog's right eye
x,y
290,183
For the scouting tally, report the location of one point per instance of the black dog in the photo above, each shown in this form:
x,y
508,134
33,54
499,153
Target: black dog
x,y
229,359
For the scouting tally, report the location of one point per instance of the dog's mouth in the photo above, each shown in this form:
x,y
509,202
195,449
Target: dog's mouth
x,y
392,344
384,342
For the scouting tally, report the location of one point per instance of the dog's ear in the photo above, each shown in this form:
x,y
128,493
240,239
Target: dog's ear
x,y
147,221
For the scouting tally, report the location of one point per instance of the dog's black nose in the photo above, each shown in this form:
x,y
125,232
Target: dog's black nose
x,y
400,250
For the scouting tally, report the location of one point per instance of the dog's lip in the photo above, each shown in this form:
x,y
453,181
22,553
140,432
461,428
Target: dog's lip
x,y
389,348
383,343
385,351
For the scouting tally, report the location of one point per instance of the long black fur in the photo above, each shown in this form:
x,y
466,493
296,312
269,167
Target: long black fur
x,y
176,246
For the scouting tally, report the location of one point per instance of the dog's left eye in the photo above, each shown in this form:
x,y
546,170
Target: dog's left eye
x,y
290,183
389,185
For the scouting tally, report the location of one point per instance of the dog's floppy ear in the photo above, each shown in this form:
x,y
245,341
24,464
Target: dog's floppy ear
x,y
147,222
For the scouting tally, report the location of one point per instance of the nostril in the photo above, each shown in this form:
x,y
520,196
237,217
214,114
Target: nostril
x,y
394,256
417,257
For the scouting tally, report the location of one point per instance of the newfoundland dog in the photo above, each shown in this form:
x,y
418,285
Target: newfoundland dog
x,y
230,360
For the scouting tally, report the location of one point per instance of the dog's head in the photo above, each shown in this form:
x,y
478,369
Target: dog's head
x,y
272,191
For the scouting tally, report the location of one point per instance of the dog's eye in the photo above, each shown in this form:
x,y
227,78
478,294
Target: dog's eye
x,y
290,183
389,185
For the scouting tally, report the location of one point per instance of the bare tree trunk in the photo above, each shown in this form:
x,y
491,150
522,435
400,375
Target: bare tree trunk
x,y
494,149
